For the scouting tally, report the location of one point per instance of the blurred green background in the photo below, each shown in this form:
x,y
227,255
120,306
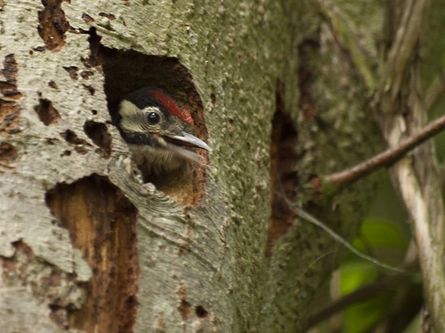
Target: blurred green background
x,y
361,296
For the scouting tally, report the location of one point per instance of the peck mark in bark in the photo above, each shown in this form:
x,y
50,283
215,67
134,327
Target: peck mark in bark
x,y
53,84
8,153
56,288
80,145
201,312
98,133
72,71
52,24
109,16
10,96
47,113
86,74
102,224
8,87
89,88
9,110
184,307
87,18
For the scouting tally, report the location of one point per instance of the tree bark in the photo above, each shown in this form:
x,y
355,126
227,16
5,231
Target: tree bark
x,y
86,246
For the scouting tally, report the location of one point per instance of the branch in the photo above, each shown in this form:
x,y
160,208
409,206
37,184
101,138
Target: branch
x,y
401,50
386,158
340,28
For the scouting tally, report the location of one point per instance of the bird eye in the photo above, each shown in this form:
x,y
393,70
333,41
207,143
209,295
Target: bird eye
x,y
153,118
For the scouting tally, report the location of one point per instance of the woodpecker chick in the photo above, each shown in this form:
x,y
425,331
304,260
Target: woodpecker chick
x,y
158,132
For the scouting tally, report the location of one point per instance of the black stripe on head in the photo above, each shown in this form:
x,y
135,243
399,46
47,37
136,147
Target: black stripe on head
x,y
140,139
142,99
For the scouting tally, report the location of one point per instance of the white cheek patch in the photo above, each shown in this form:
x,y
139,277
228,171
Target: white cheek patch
x,y
130,116
128,109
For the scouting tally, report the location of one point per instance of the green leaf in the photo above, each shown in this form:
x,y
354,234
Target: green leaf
x,y
382,233
361,317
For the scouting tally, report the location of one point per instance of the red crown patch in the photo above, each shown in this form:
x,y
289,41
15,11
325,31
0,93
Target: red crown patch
x,y
168,103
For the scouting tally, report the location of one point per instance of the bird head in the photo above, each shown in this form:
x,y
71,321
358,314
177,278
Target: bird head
x,y
150,117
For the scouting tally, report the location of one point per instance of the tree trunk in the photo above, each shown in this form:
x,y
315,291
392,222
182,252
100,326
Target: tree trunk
x,y
86,245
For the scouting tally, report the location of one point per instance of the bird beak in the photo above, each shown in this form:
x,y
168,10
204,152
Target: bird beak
x,y
189,140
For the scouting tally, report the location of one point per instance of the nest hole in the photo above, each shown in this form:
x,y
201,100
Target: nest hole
x,y
128,71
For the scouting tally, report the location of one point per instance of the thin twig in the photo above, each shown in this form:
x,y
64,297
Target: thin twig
x,y
298,211
311,219
386,158
401,50
340,27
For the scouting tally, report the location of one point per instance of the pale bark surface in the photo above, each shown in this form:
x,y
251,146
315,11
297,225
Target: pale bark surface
x,y
85,246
